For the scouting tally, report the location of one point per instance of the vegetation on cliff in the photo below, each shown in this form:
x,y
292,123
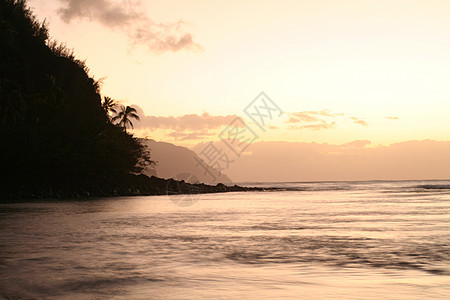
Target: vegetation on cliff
x,y
58,139
54,130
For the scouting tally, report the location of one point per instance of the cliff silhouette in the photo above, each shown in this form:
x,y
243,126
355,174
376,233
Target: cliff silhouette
x,y
57,139
172,160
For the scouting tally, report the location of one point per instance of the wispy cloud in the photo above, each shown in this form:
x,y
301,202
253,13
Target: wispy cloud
x,y
356,144
319,120
392,118
190,135
184,122
129,17
185,127
305,116
359,121
319,126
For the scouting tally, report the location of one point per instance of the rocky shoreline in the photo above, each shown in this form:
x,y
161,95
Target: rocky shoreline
x,y
129,185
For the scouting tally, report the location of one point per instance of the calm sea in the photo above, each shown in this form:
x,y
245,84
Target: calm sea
x,y
346,240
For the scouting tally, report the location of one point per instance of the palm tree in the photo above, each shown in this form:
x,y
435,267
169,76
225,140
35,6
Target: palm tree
x,y
123,116
109,105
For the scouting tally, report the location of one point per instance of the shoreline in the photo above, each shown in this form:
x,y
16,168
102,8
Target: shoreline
x,y
128,185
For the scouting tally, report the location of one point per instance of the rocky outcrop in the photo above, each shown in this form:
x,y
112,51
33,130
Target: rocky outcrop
x,y
130,185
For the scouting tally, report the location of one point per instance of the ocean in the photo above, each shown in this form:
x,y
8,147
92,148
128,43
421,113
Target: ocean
x,y
311,240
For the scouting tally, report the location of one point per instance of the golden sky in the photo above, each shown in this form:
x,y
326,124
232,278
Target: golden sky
x,y
339,70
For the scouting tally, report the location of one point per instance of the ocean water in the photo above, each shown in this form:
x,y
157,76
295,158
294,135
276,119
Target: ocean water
x,y
342,240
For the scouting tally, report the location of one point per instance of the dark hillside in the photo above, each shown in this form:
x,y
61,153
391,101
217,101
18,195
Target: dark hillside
x,y
53,128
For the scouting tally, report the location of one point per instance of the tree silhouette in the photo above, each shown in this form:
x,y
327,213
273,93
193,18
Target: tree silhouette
x,y
123,116
12,107
109,105
54,131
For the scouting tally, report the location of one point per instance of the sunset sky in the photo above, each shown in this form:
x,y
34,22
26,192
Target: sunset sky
x,y
340,70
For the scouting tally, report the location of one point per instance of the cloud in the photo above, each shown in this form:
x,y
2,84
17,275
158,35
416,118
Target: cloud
x,y
106,12
191,122
128,16
324,113
185,127
305,116
392,118
359,121
190,136
315,120
318,120
356,144
319,126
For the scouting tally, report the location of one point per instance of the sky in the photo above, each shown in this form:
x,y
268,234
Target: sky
x,y
339,71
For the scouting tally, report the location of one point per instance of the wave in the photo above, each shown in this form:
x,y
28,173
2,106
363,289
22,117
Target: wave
x,y
372,186
433,186
343,252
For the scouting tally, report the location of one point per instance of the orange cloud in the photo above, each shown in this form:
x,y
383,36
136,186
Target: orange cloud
x,y
190,136
324,113
320,119
392,118
319,126
303,117
356,144
186,127
191,122
293,120
359,121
